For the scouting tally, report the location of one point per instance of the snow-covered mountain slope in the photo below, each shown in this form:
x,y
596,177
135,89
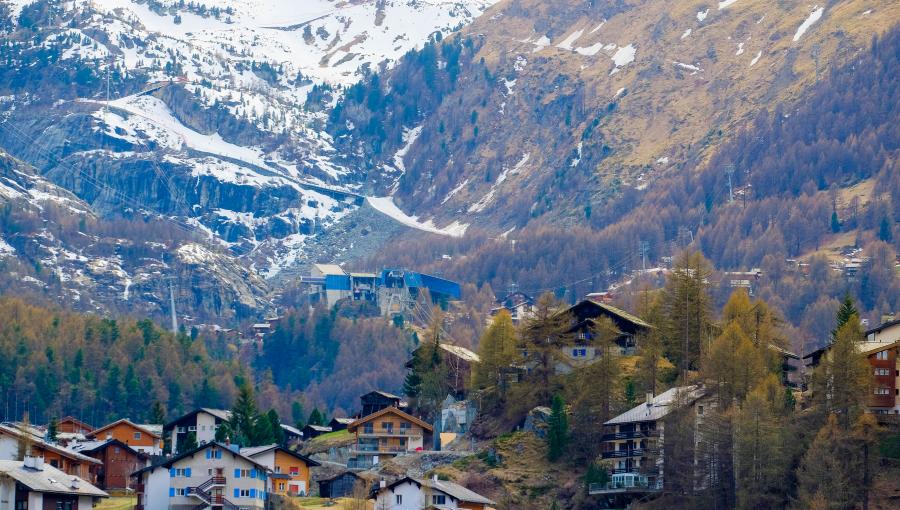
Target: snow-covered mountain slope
x,y
197,111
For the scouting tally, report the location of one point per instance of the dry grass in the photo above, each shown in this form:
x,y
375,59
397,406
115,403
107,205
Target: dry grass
x,y
118,503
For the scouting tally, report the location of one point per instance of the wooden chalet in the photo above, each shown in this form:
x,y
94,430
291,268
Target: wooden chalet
x,y
386,433
117,462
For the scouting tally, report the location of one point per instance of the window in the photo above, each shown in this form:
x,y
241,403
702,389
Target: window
x,y
882,391
181,492
192,428
182,429
245,493
882,371
137,435
368,428
54,463
699,409
438,499
281,486
209,472
117,450
21,505
883,355
399,499
295,470
277,469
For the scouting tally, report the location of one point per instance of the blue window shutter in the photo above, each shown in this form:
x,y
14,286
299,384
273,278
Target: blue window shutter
x,y
252,473
237,493
208,454
172,473
252,493
237,473
187,472
218,454
171,492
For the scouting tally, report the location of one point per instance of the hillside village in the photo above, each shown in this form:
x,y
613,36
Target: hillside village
x,y
624,409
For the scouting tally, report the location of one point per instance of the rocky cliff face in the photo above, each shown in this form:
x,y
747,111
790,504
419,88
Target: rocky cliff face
x,y
190,118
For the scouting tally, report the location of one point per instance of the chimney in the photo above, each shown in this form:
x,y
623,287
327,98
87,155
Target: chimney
x,y
76,483
382,484
39,463
649,399
29,461
434,477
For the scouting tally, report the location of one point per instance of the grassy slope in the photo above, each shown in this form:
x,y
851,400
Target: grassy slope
x,y
667,112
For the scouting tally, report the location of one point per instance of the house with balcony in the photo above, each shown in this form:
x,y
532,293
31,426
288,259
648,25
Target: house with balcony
x,y
385,434
377,400
33,484
202,423
578,343
13,437
881,346
146,439
211,476
289,471
633,442
520,306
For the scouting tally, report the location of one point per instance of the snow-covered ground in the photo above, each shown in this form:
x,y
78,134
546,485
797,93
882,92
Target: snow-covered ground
x,y
386,206
811,20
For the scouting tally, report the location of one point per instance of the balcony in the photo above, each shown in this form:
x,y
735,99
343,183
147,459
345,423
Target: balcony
x,y
634,452
390,433
634,434
637,484
376,449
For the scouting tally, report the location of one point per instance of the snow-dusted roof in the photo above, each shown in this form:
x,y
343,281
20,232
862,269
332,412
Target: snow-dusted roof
x,y
461,352
659,406
330,269
48,479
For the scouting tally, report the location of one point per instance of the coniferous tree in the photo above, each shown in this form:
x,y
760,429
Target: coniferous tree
x,y
733,365
52,430
761,458
244,415
557,430
497,350
844,314
828,470
157,413
275,424
297,414
687,308
840,384
315,417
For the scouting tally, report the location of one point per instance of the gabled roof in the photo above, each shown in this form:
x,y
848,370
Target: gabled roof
x,y
393,410
259,450
454,490
96,446
622,314
221,414
126,421
318,428
383,394
882,327
343,421
48,479
455,350
170,461
292,430
76,421
659,406
44,445
340,475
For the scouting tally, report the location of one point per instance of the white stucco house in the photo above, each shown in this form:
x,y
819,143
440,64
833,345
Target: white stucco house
x,y
33,484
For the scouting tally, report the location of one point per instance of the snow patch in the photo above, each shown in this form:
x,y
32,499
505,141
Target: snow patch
x,y
6,250
740,49
488,198
701,15
386,206
591,50
686,34
815,16
567,43
755,59
687,67
724,4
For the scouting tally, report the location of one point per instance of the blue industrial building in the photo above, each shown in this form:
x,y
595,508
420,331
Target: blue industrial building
x,y
395,291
